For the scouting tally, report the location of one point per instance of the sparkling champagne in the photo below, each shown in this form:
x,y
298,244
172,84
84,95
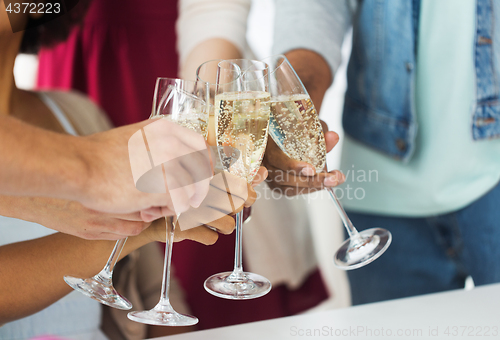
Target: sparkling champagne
x,y
242,122
195,122
296,129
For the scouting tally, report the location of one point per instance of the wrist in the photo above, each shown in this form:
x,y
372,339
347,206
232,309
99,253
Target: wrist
x,y
78,176
314,72
136,242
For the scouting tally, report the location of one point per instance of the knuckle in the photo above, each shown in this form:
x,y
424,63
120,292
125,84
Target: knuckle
x,y
173,144
168,147
311,182
132,229
94,225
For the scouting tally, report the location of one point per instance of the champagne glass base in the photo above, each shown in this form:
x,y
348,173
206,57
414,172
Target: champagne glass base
x,y
99,291
373,243
250,286
162,318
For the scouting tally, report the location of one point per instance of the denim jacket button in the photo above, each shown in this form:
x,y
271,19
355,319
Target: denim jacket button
x,y
401,144
409,67
484,40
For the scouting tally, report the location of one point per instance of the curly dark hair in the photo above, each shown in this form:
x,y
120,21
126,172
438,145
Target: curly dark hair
x,y
53,28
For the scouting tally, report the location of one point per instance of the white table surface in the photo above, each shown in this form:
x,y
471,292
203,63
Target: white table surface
x,y
459,314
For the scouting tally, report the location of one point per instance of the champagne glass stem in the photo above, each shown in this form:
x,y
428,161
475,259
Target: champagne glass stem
x,y
237,274
353,233
163,314
164,303
106,274
100,286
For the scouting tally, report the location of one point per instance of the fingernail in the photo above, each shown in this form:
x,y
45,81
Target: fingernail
x,y
308,171
330,181
195,202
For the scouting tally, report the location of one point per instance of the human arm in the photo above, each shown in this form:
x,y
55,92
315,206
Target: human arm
x,y
41,263
208,29
94,170
73,218
39,162
294,177
32,271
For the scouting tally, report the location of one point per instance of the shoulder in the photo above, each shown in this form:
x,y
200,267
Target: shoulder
x,y
86,116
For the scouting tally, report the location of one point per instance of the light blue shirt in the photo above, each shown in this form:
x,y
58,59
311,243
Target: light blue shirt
x,y
448,170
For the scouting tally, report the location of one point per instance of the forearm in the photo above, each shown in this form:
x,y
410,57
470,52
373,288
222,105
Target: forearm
x,y
314,72
32,271
38,162
14,206
29,208
314,48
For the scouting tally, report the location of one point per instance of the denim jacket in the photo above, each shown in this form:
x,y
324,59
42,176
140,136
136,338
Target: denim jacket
x,y
379,106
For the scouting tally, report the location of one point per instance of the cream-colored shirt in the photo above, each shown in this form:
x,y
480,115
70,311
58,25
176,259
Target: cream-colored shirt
x,y
201,20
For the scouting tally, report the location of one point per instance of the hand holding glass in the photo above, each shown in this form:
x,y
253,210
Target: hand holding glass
x,y
296,129
176,100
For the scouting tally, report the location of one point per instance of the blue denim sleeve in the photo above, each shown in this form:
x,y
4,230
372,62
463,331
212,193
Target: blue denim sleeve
x,y
317,25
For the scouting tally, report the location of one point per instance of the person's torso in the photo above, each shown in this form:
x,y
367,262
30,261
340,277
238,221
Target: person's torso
x,y
380,105
448,168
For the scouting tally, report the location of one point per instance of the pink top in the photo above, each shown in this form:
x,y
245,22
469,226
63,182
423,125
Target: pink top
x,y
116,56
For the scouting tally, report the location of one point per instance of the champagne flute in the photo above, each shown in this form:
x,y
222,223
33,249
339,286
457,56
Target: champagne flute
x,y
241,124
295,128
100,287
207,73
176,100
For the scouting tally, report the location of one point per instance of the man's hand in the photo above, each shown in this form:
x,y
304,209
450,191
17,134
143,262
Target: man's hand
x,y
110,185
72,218
95,171
294,177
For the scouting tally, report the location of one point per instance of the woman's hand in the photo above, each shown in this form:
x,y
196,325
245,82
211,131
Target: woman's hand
x,y
228,194
294,177
201,234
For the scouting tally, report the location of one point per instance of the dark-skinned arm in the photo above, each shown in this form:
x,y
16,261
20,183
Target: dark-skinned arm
x,y
301,177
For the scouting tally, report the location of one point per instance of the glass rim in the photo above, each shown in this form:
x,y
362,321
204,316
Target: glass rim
x,y
180,80
231,61
284,60
194,83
